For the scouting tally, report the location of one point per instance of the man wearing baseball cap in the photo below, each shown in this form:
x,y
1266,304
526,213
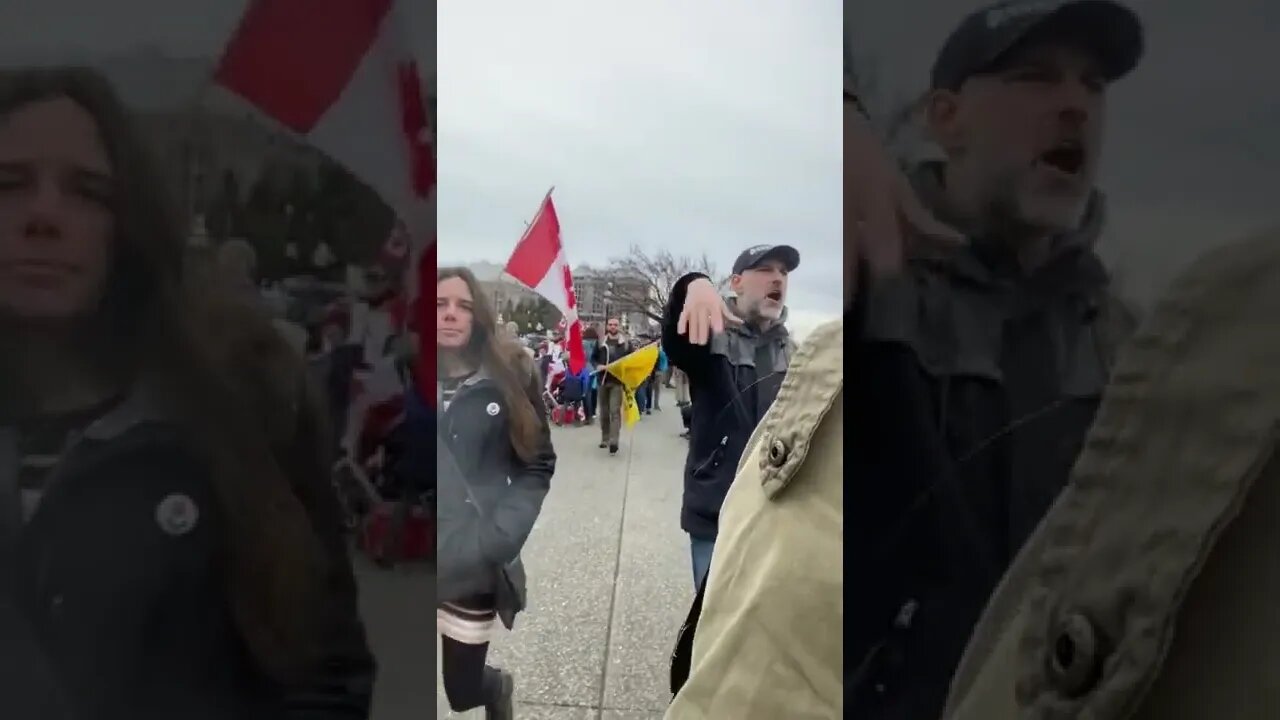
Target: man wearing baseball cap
x,y
735,354
980,364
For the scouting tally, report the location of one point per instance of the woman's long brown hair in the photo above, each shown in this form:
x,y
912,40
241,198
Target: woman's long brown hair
x,y
188,339
505,361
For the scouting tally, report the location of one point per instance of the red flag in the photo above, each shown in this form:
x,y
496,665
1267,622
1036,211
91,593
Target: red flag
x,y
342,75
538,262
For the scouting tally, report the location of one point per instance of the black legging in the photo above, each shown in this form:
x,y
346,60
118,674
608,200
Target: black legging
x,y
468,682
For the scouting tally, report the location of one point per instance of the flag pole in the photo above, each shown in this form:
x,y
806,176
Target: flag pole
x,y
529,223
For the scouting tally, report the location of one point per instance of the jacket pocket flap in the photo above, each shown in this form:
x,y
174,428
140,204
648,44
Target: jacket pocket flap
x,y
811,386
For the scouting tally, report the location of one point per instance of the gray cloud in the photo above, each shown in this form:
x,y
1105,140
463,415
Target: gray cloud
x,y
687,126
1192,150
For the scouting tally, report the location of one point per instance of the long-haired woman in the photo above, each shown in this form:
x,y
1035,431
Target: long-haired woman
x,y
162,519
494,464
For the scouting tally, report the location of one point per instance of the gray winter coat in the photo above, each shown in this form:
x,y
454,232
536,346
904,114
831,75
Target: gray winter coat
x,y
488,498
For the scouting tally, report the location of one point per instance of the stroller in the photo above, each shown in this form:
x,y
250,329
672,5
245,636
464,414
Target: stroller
x,y
563,397
360,476
372,487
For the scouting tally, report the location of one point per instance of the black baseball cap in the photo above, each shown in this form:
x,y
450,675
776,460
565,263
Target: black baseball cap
x,y
753,256
1111,30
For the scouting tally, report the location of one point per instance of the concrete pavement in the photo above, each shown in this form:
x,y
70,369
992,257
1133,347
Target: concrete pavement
x,y
609,585
399,612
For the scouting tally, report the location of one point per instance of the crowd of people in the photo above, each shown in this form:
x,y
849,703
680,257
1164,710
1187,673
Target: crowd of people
x,y
593,393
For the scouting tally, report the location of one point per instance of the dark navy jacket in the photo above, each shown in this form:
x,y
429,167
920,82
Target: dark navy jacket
x,y
732,382
971,389
134,614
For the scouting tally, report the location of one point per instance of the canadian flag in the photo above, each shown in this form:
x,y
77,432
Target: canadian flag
x,y
343,75
538,262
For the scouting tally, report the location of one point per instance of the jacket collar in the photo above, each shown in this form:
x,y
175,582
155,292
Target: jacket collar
x,y
979,261
141,406
777,330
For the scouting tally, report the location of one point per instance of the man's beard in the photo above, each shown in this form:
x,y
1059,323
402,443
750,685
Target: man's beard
x,y
755,311
1016,210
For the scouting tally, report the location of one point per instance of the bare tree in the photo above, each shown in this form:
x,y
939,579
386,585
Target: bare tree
x,y
643,281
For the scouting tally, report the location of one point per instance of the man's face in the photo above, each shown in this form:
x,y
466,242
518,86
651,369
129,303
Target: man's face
x,y
1027,136
762,290
613,326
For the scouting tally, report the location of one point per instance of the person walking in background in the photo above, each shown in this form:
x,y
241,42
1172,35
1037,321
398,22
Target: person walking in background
x,y
590,339
644,393
587,379
681,384
734,376
236,266
658,379
338,360
643,398
612,347
494,466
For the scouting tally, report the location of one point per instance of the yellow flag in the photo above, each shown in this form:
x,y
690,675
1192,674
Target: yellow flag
x,y
632,370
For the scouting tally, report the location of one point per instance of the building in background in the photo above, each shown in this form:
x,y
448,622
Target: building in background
x,y
602,294
501,290
196,136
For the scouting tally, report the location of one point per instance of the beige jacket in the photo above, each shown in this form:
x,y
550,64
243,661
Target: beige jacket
x,y
768,644
1152,588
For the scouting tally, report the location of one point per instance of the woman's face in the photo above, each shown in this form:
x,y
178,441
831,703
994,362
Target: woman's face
x,y
55,219
453,314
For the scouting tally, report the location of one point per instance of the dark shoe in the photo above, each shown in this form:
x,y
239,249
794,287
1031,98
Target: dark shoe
x,y
503,707
604,444
613,449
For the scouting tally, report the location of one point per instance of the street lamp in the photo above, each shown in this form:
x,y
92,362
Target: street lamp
x,y
608,301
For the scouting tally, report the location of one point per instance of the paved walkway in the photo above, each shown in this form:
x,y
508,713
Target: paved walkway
x,y
609,582
401,621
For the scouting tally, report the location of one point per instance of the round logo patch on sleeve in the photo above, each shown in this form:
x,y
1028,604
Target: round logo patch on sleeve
x,y
177,514
493,408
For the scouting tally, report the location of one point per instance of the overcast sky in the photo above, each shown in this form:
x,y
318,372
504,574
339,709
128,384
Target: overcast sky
x,y
699,126
686,126
1193,148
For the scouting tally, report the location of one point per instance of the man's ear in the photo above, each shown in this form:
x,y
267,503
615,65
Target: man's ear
x,y
942,118
735,283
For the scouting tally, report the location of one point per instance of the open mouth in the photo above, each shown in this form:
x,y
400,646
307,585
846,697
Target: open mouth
x,y
775,296
1067,158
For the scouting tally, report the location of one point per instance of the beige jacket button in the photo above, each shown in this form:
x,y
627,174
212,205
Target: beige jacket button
x,y
1074,663
778,453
